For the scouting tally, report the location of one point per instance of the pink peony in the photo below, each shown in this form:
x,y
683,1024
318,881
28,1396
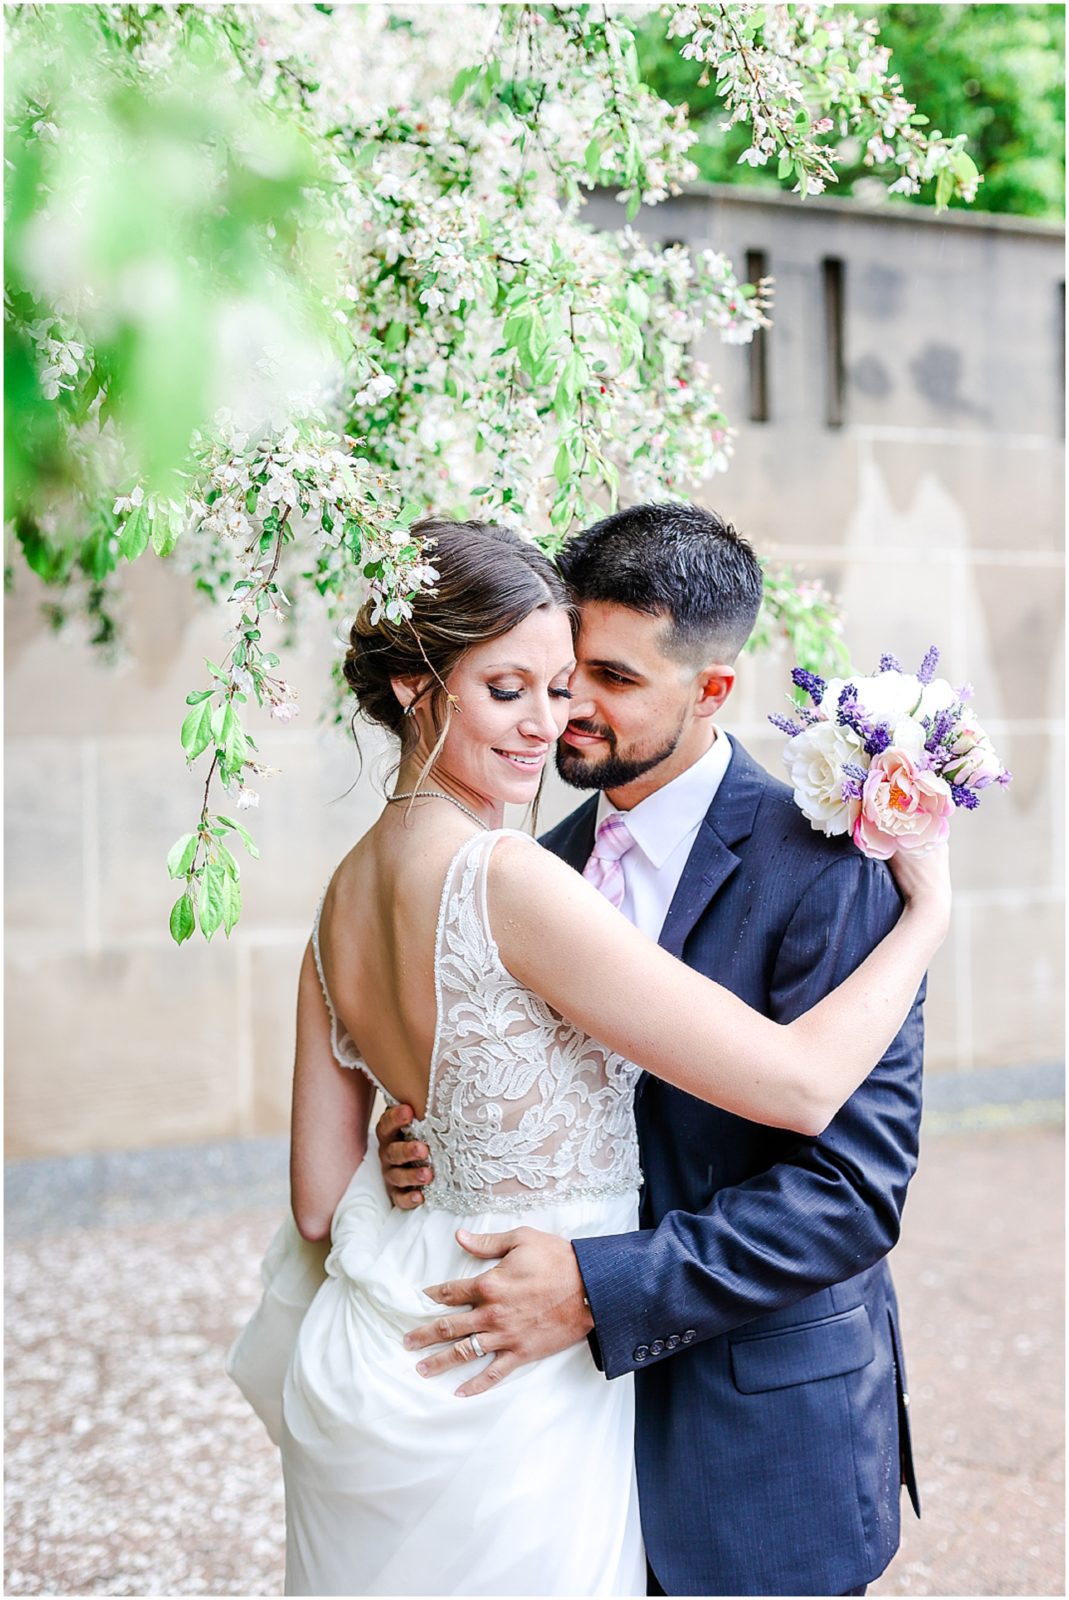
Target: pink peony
x,y
903,807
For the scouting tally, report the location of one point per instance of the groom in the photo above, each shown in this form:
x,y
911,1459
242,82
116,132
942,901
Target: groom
x,y
754,1304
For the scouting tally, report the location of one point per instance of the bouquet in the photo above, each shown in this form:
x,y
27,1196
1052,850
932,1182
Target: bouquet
x,y
887,758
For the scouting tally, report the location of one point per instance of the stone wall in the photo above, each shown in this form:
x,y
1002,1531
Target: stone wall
x,y
912,459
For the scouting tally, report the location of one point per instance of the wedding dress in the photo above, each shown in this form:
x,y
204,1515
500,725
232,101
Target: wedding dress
x,y
393,1485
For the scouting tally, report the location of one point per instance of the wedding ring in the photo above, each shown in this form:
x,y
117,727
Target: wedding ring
x,y
476,1348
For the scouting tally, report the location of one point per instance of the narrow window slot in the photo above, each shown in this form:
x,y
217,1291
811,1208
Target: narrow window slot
x,y
757,268
1060,354
834,356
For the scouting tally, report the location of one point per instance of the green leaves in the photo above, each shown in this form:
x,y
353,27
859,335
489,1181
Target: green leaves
x,y
527,332
572,377
210,904
182,920
242,832
232,740
230,897
212,895
197,730
134,533
165,531
180,856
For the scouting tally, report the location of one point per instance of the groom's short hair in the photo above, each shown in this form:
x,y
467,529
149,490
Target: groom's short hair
x,y
675,560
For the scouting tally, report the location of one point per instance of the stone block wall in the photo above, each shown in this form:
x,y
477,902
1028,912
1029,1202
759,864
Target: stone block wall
x,y
933,509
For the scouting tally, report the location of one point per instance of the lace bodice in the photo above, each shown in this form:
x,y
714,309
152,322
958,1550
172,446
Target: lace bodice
x,y
523,1109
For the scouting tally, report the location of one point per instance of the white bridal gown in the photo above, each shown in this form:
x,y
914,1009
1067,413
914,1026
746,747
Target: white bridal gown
x,y
393,1485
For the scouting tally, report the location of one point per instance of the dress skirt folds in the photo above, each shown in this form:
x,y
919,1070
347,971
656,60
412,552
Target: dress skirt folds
x,y
395,1486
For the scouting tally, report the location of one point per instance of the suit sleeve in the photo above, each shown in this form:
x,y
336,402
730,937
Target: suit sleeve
x,y
828,1212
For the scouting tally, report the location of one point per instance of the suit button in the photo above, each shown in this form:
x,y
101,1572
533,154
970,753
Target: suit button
x,y
641,1352
690,1336
657,1347
905,1398
672,1342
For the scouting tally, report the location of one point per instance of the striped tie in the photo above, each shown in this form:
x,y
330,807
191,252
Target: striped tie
x,y
604,869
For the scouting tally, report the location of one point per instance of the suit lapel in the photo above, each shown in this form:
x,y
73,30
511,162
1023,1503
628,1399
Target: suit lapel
x,y
575,848
712,859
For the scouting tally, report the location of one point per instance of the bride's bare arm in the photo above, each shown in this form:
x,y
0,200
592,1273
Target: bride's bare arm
x,y
561,938
331,1112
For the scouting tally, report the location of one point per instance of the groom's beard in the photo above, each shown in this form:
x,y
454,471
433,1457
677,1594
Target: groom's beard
x,y
614,770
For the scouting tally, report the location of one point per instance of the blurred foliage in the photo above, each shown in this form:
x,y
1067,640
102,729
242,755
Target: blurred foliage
x,y
993,72
153,244
280,278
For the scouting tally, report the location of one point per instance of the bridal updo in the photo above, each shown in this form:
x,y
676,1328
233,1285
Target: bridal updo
x,y
489,581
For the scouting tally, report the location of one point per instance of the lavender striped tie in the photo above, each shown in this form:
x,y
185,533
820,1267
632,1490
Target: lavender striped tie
x,y
604,869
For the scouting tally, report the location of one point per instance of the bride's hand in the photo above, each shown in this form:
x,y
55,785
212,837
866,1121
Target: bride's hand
x,y
924,881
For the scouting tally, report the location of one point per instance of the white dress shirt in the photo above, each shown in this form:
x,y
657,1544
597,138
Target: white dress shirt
x,y
664,827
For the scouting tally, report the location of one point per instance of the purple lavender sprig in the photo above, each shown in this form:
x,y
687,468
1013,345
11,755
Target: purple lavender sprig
x,y
813,685
876,735
889,663
853,780
926,671
941,731
785,724
963,796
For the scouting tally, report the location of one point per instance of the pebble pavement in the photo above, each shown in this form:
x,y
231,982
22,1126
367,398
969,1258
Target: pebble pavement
x,y
134,1467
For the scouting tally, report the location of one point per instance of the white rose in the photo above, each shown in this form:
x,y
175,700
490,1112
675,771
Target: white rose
x,y
909,735
814,760
886,697
935,697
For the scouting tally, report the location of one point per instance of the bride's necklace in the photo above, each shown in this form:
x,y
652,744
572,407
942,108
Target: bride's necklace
x,y
438,794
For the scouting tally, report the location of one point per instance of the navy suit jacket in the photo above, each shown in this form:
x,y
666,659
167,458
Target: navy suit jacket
x,y
754,1304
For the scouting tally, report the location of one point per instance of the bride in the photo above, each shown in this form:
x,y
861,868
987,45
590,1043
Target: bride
x,y
458,967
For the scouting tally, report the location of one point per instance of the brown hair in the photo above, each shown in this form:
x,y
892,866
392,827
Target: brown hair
x,y
489,581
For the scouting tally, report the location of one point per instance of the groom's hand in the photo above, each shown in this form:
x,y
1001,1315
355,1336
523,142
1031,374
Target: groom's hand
x,y
529,1306
404,1161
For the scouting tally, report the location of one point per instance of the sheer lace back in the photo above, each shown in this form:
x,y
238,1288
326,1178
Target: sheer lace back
x,y
523,1108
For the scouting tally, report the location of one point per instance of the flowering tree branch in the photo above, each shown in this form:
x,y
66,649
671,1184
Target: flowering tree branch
x,y
798,73
339,312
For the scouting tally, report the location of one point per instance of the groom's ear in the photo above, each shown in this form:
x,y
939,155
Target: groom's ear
x,y
714,683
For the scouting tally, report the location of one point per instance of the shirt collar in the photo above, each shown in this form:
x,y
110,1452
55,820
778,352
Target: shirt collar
x,y
663,820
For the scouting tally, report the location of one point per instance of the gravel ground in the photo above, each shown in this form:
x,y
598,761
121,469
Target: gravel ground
x,y
134,1467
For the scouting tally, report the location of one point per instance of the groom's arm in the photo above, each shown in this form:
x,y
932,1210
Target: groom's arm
x,y
828,1212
